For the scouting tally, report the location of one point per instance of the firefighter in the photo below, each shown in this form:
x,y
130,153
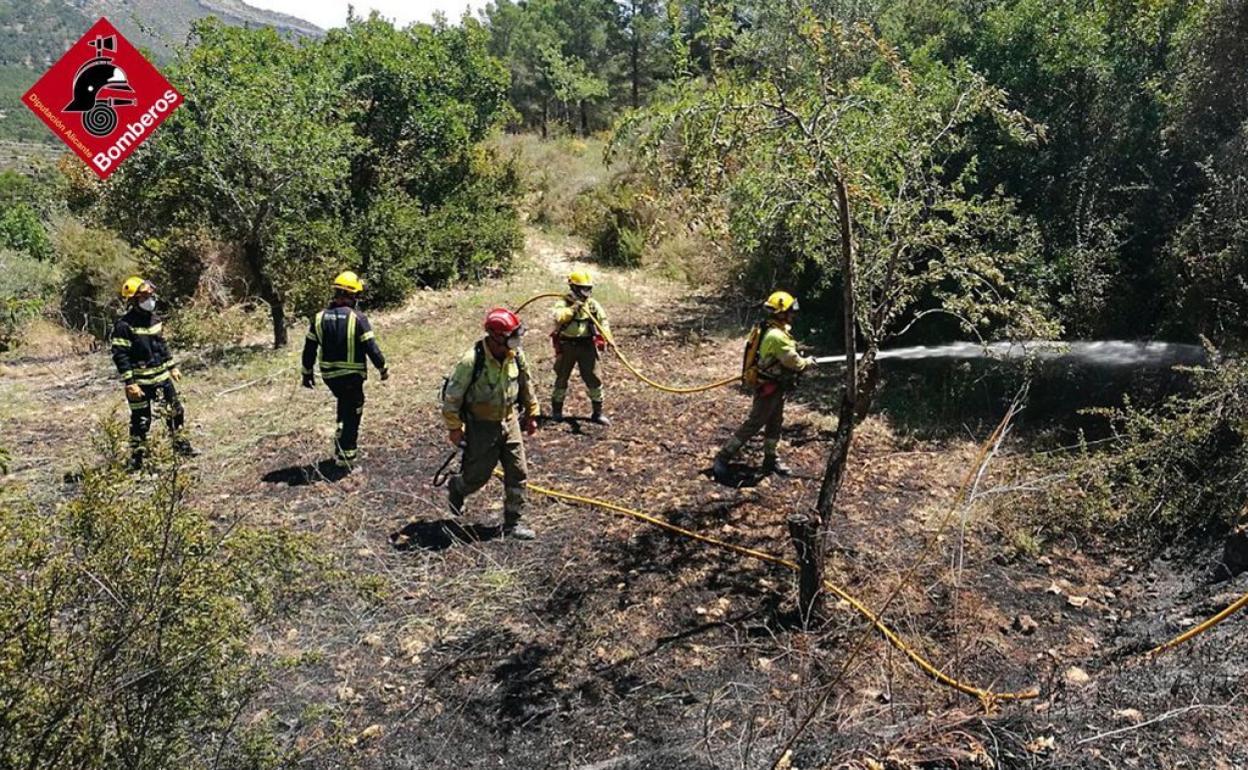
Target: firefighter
x,y
486,400
338,340
147,369
578,345
776,363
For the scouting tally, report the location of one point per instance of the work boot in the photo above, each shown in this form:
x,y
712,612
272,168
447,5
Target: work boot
x,y
136,461
514,528
556,411
720,470
184,448
773,464
454,499
598,416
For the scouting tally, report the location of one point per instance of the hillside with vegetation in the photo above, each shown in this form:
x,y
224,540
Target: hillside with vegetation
x,y
34,34
978,560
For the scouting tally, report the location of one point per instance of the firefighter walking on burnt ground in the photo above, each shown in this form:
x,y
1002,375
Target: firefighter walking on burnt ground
x,y
579,343
338,341
147,368
771,368
487,400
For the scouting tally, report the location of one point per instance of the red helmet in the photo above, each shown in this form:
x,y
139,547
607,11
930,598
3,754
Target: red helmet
x,y
500,320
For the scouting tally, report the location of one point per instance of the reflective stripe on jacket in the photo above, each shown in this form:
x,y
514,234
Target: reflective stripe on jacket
x,y
139,350
338,340
496,393
573,326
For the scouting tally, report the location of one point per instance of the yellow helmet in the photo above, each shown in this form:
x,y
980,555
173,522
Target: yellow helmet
x,y
349,282
133,285
581,278
781,302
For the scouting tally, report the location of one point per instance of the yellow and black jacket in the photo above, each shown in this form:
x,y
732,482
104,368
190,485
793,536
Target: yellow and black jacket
x,y
339,338
139,349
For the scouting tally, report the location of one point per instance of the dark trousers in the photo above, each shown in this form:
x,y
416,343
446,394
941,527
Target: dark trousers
x,y
141,412
349,390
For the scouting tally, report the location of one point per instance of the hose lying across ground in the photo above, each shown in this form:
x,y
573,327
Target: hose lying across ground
x,y
1197,630
986,696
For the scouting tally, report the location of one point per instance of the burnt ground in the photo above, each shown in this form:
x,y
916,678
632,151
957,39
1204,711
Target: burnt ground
x,y
610,644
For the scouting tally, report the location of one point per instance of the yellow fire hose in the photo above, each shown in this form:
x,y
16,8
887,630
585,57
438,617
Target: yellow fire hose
x,y
1195,631
629,364
985,696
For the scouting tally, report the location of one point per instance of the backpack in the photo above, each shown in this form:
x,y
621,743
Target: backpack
x,y
749,362
478,366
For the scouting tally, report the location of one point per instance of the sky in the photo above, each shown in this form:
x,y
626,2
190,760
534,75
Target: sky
x,y
333,13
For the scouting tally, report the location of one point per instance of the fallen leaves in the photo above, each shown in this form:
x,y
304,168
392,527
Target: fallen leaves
x,y
1042,745
1129,715
1025,624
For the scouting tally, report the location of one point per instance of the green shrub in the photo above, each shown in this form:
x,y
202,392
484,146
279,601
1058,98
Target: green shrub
x,y
477,229
27,285
22,230
127,619
616,219
406,244
394,247
1179,468
689,256
203,323
93,265
306,259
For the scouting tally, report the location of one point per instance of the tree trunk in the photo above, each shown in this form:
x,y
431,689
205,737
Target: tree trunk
x,y
278,310
838,457
253,254
635,59
545,115
584,119
804,531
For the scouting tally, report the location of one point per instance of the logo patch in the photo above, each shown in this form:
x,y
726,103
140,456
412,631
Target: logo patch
x,y
102,98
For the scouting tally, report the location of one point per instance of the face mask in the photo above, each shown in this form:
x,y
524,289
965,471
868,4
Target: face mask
x,y
148,304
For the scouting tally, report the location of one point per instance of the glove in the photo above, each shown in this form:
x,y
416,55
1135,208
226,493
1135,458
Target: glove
x,y
385,374
175,375
456,437
308,382
134,392
530,425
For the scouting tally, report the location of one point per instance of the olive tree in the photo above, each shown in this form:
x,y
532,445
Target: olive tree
x,y
259,151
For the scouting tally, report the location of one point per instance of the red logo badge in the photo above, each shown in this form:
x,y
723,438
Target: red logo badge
x,y
102,98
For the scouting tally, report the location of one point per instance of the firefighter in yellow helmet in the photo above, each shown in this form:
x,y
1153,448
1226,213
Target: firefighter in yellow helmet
x,y
772,373
579,344
338,340
147,368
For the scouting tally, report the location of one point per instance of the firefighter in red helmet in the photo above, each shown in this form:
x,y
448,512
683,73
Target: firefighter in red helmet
x,y
486,401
